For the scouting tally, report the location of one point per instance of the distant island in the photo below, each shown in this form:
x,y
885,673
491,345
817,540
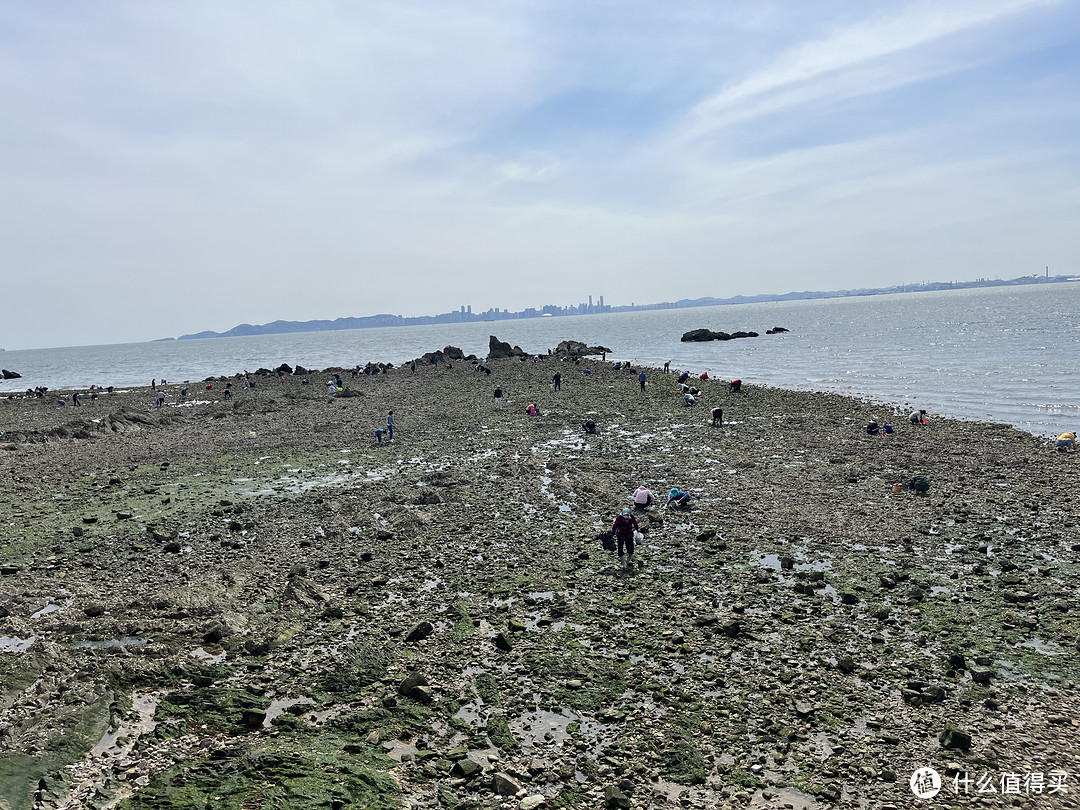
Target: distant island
x,y
466,315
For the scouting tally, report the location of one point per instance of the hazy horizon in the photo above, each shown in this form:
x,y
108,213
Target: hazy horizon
x,y
174,169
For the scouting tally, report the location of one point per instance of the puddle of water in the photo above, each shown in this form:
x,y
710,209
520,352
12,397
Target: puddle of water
x,y
784,797
545,727
1041,646
398,750
11,644
211,655
279,706
126,641
143,703
52,607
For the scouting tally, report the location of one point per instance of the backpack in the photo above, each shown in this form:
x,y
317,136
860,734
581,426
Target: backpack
x,y
607,539
920,483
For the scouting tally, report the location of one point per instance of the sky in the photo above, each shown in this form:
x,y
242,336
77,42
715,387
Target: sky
x,y
168,168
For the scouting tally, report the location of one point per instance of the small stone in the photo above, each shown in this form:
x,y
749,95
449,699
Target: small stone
x,y
982,676
955,738
573,683
465,769
803,709
532,802
502,642
504,785
845,664
420,631
615,799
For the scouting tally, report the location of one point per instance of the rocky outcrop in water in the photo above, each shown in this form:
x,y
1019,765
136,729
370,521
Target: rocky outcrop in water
x,y
704,335
10,375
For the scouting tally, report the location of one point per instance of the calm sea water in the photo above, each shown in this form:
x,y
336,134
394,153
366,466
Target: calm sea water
x,y
1004,354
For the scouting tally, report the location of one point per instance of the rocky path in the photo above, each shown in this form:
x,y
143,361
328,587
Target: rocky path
x,y
251,603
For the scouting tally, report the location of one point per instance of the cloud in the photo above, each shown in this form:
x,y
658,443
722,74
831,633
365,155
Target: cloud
x,y
846,62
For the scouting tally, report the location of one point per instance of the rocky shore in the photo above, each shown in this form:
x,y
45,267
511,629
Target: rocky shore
x,y
251,603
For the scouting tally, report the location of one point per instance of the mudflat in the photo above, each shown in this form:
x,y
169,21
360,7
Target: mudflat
x,y
252,603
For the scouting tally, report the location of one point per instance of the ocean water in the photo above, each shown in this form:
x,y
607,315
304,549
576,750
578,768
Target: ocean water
x,y
1001,354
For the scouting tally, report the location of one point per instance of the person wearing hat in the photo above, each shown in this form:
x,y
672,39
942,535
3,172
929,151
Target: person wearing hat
x,y
678,497
623,528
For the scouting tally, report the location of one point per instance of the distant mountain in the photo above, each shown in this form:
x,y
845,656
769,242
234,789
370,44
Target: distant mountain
x,y
370,321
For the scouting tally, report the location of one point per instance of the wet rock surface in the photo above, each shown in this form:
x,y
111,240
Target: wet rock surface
x,y
250,603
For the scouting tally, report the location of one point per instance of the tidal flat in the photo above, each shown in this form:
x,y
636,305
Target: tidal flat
x,y
251,603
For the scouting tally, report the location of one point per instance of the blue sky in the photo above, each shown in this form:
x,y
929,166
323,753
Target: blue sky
x,y
169,168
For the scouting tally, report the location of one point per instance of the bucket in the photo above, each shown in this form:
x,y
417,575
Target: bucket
x,y
897,487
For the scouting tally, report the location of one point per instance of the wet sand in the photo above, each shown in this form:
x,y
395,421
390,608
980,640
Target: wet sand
x,y
224,603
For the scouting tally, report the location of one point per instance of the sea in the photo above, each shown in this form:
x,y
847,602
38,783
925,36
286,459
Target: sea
x,y
997,354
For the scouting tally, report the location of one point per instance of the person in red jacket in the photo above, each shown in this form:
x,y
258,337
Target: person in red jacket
x,y
623,528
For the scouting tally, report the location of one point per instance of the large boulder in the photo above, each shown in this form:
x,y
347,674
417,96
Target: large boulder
x,y
575,348
498,350
10,375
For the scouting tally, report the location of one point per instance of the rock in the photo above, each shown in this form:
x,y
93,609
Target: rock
x,y
465,769
532,802
252,718
497,350
845,664
10,375
703,335
502,642
849,598
420,631
804,709
9,570
616,799
776,330
955,738
411,683
504,785
982,676
731,628
284,368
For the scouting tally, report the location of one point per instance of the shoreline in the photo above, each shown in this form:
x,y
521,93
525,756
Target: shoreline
x,y
441,599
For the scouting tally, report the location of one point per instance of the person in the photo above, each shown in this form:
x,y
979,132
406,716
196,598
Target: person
x,y
160,398
1066,442
603,356
390,424
330,387
704,375
717,417
667,366
75,399
557,381
183,393
684,376
412,366
643,498
873,429
735,386
532,410
679,497
378,435
642,380
688,400
917,418
887,429
153,384
587,372
228,393
591,428
623,528
498,396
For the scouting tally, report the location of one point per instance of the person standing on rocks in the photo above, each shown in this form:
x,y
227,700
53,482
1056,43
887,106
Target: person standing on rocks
x,y
623,528
390,425
557,381
498,396
160,398
643,380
